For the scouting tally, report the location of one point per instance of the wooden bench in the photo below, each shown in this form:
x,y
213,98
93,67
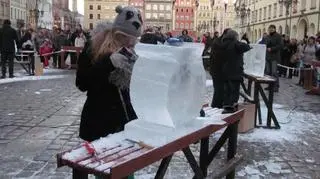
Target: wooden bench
x,y
258,90
123,159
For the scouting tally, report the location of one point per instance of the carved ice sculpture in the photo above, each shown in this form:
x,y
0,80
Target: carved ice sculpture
x,y
167,89
255,60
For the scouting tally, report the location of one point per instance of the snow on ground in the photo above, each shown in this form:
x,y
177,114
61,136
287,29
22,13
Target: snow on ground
x,y
22,76
292,122
262,168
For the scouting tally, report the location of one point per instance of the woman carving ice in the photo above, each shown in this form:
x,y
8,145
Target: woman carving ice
x,y
104,72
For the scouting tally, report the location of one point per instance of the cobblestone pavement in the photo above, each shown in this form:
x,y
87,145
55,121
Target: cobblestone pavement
x,y
40,118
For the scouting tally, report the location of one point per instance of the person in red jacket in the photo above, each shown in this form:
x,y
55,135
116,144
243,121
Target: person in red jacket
x,y
46,48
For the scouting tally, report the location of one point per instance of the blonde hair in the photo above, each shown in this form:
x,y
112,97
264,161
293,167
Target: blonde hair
x,y
109,41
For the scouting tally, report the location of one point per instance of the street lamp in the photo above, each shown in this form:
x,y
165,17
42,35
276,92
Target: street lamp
x,y
287,4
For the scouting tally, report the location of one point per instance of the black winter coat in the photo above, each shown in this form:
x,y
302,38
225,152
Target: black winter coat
x,y
275,42
106,109
8,37
228,59
150,38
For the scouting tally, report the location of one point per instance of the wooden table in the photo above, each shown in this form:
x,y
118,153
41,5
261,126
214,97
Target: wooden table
x,y
258,90
29,62
120,161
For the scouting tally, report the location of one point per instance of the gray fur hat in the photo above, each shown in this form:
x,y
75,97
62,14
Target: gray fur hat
x,y
128,21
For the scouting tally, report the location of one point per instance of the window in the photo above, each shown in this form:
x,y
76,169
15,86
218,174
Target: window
x,y
91,7
187,26
260,14
182,18
155,16
168,16
187,18
269,12
313,4
168,7
148,7
303,5
191,25
181,10
99,7
148,15
281,10
177,25
98,16
15,13
155,7
177,10
90,16
161,15
264,13
188,2
275,10
91,26
181,26
161,7
187,10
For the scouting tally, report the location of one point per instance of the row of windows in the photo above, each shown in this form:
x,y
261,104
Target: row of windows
x,y
158,15
17,13
184,18
187,2
184,26
184,10
278,10
160,7
137,4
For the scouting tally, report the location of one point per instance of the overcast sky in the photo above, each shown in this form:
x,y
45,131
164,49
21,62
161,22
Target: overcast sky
x,y
80,6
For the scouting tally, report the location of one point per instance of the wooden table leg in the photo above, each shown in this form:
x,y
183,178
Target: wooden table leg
x,y
204,152
257,103
77,174
163,167
193,163
232,146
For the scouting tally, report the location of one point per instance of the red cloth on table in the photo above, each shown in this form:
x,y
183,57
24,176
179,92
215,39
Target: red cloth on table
x,y
44,49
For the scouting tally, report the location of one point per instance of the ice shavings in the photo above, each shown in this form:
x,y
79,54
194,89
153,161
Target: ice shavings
x,y
261,168
100,145
31,78
298,123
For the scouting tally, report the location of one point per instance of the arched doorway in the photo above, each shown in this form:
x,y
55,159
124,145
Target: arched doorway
x,y
260,35
255,35
312,29
280,29
287,30
294,32
302,29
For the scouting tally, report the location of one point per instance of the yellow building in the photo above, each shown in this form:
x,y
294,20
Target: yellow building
x,y
301,18
214,18
95,10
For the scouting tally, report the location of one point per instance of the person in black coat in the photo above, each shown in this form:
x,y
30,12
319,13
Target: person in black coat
x,y
150,37
8,38
227,70
104,72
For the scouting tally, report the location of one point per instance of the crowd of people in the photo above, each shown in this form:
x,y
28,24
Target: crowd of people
x,y
43,41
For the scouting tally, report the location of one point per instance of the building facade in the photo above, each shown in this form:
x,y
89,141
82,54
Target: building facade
x,y
185,17
96,10
4,11
204,16
18,14
158,13
297,19
139,4
62,16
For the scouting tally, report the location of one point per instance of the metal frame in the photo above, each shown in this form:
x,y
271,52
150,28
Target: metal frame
x,y
258,90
